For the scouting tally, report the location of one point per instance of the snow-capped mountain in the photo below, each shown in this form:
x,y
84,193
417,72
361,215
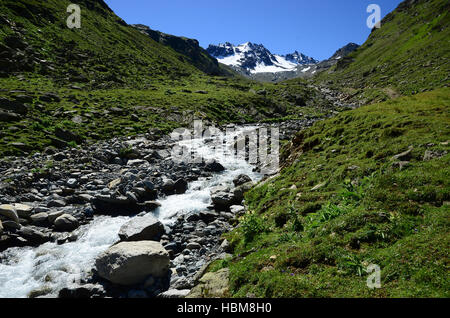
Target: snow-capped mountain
x,y
299,58
255,58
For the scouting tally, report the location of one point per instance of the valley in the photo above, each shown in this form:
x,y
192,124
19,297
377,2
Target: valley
x,y
88,173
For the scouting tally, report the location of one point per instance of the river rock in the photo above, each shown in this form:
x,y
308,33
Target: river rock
x,y
130,263
214,166
142,228
39,218
23,210
208,216
72,183
107,205
239,192
54,215
11,225
237,209
33,236
149,206
56,204
84,291
9,211
181,186
66,223
168,186
211,285
193,246
241,179
222,198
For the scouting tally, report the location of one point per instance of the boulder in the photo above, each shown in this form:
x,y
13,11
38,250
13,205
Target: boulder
x,y
39,218
130,263
23,210
168,186
237,209
104,204
54,215
208,216
226,246
241,179
84,291
9,211
181,186
212,285
66,223
193,246
142,228
222,198
1,227
72,183
11,225
34,237
67,135
213,166
143,195
56,204
239,192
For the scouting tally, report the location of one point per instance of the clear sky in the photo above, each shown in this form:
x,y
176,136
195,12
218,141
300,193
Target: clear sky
x,y
314,27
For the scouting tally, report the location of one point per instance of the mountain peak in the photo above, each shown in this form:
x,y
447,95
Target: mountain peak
x,y
255,58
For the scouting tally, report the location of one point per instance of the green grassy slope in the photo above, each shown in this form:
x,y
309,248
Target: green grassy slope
x,y
344,201
410,53
111,79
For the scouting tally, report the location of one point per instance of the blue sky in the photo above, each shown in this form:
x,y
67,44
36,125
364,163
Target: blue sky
x,y
314,27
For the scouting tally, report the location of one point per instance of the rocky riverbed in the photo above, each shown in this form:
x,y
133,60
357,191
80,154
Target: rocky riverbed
x,y
74,222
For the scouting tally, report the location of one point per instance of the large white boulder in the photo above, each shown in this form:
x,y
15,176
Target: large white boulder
x,y
130,263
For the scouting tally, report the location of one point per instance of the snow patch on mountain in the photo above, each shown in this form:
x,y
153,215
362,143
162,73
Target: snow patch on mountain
x,y
255,58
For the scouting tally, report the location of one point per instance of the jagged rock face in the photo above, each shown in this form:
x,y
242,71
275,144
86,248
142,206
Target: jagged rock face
x,y
221,50
190,48
344,51
300,58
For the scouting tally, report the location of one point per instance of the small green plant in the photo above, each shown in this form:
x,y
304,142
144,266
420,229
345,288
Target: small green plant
x,y
328,212
72,144
351,264
354,191
49,164
36,126
297,225
251,226
288,237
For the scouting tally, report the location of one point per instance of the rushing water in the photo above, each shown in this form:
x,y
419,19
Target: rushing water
x,y
50,267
